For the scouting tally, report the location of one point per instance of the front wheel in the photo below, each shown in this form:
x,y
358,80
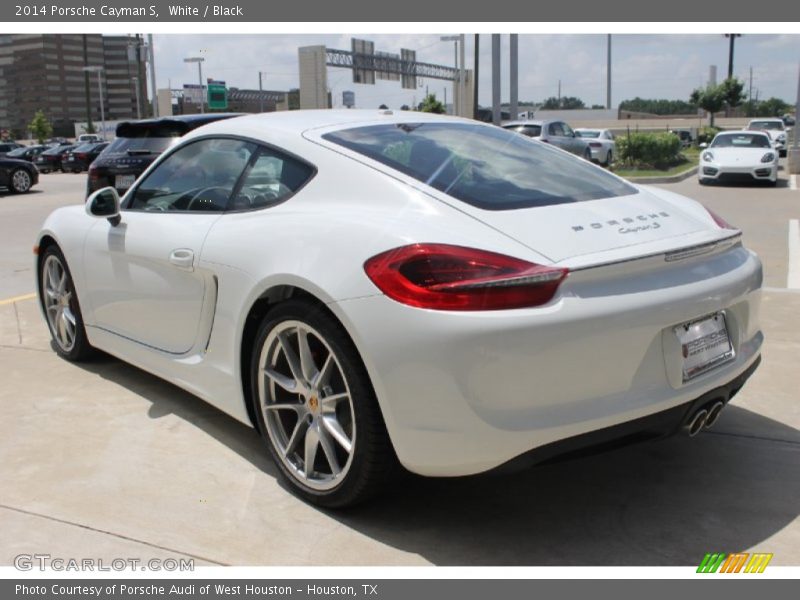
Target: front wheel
x,y
316,408
60,303
21,181
587,154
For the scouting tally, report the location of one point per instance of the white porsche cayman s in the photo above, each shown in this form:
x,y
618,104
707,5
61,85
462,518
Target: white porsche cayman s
x,y
371,289
739,156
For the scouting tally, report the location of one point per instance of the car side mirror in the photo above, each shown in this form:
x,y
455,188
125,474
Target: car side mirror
x,y
703,145
104,204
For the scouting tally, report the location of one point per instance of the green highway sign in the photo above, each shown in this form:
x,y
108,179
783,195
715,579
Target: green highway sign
x,y
217,96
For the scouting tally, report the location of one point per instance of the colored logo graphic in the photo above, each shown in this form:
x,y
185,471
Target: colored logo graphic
x,y
738,562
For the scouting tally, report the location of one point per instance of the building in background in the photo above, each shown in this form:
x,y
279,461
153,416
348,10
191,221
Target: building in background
x,y
45,72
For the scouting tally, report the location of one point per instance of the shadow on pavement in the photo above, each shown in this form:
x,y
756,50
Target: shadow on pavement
x,y
659,503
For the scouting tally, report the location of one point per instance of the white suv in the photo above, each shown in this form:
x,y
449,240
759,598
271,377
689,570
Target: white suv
x,y
774,128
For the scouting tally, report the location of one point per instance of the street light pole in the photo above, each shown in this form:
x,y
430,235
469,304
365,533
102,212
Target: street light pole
x,y
138,99
456,84
199,60
99,70
732,37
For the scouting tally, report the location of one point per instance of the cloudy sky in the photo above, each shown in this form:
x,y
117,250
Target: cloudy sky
x,y
649,66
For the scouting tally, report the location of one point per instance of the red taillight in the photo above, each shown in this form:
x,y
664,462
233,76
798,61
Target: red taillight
x,y
445,277
595,144
719,220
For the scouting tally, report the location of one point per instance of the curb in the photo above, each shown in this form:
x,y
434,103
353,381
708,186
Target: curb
x,y
671,179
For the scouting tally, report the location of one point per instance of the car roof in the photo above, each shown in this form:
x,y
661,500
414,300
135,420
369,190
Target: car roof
x,y
187,122
536,122
300,121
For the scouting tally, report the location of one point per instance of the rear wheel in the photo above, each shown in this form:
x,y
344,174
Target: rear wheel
x,y
609,158
60,303
21,181
316,408
587,154
704,181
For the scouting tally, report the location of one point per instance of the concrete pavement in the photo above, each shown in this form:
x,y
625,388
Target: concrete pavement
x,y
103,460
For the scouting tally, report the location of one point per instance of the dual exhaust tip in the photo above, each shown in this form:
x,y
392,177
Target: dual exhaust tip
x,y
703,418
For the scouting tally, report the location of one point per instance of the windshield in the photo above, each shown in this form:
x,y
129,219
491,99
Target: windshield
x,y
56,150
771,125
17,152
741,140
484,166
587,134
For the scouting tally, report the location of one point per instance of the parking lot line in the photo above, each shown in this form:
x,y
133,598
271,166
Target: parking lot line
x,y
17,299
793,278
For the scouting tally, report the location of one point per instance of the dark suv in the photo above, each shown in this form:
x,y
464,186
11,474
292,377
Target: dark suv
x,y
137,145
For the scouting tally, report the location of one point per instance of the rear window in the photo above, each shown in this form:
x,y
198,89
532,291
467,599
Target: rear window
x,y
484,166
771,125
588,134
529,130
146,138
17,152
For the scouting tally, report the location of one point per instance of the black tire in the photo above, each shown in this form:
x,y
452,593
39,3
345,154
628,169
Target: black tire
x,y
371,464
587,154
80,349
609,158
20,181
704,181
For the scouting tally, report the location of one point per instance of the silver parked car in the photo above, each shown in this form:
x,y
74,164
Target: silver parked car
x,y
557,133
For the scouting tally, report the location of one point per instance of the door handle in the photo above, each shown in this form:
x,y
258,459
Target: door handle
x,y
183,258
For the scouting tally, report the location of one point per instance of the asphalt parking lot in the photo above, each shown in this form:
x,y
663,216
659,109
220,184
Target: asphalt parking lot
x,y
103,460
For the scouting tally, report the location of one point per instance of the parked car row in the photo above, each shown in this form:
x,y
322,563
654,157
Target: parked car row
x,y
591,144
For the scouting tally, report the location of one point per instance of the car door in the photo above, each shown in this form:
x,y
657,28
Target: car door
x,y
573,142
142,275
555,135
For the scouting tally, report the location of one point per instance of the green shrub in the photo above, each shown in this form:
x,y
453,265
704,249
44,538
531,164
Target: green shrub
x,y
706,134
655,150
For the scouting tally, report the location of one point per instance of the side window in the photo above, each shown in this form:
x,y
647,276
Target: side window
x,y
197,177
269,179
555,129
567,130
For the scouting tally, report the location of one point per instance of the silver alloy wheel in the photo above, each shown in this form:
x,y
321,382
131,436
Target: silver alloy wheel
x,y
21,181
57,299
305,400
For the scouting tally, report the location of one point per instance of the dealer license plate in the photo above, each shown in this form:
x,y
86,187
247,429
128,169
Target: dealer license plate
x,y
705,345
123,182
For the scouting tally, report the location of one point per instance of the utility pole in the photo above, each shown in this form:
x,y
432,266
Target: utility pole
x,y
462,79
496,113
732,37
608,75
260,94
445,102
750,94
559,93
199,60
476,68
514,76
138,99
152,61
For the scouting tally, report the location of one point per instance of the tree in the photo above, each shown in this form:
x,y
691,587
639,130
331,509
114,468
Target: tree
x,y
405,107
383,107
431,105
711,99
563,103
771,107
40,127
658,106
733,90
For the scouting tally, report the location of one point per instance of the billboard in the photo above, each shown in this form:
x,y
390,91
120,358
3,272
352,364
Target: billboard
x,y
362,73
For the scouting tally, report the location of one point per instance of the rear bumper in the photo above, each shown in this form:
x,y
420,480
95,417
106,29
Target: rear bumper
x,y
463,393
659,425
